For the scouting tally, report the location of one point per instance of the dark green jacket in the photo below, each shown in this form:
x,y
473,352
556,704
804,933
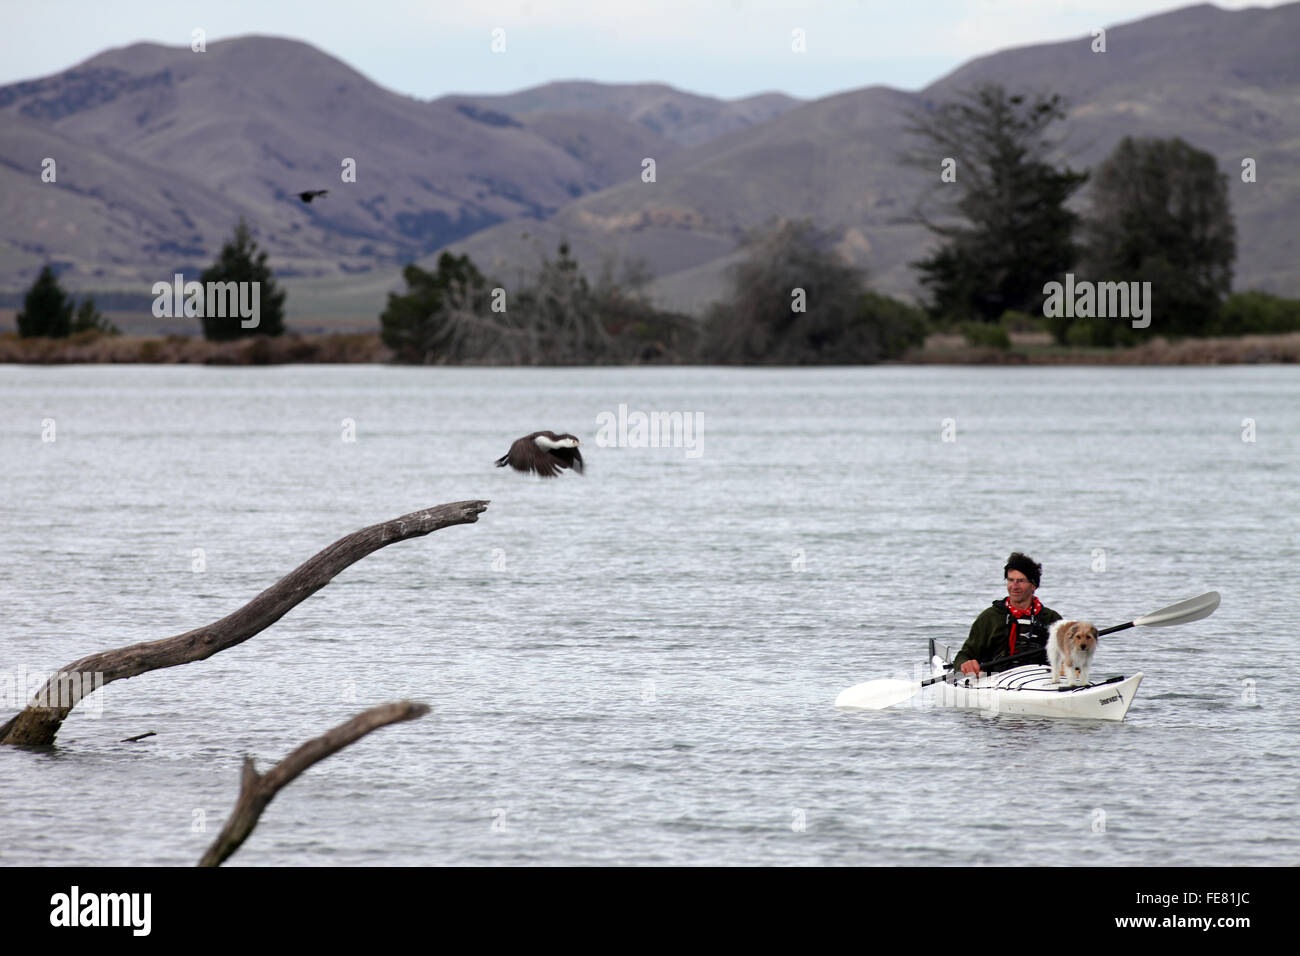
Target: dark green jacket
x,y
989,634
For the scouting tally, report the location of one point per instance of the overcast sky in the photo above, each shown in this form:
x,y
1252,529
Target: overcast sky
x,y
726,48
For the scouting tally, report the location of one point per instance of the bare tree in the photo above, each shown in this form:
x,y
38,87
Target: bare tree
x,y
451,317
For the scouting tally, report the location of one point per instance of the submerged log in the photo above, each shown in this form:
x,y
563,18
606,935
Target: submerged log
x,y
39,723
256,790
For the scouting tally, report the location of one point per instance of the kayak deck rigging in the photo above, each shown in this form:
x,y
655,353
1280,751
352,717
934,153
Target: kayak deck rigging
x,y
1029,690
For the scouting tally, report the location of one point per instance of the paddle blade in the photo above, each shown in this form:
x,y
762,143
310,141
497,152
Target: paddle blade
x,y
1193,609
877,694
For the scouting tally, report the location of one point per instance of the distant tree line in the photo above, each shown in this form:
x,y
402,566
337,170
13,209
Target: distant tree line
x,y
50,312
455,315
793,301
1159,214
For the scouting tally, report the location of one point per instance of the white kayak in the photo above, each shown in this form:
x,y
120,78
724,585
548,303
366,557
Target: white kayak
x,y
1029,690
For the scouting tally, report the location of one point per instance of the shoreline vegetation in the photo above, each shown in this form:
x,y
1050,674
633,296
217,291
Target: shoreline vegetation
x,y
1028,348
1017,278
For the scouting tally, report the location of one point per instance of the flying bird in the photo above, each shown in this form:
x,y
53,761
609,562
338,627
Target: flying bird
x,y
543,452
311,194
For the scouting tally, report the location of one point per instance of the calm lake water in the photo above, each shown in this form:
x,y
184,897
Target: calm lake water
x,y
637,666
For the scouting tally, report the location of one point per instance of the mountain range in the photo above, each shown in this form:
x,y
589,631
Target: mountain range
x,y
158,151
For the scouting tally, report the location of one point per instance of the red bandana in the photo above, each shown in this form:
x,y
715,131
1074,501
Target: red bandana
x,y
1035,606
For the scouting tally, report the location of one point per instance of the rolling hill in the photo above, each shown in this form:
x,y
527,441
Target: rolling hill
x,y
160,150
1227,82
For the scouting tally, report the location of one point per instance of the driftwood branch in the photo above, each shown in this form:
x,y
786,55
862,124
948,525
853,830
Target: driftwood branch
x,y
256,790
39,722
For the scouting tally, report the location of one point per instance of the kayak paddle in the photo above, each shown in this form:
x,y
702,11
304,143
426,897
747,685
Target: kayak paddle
x,y
879,694
1184,612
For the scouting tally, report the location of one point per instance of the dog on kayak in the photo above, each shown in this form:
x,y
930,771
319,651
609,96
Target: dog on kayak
x,y
1070,646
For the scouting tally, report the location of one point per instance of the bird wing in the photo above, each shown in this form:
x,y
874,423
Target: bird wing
x,y
520,456
568,458
525,456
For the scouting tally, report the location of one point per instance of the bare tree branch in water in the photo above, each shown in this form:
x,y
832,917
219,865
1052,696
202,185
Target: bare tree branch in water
x,y
39,723
256,790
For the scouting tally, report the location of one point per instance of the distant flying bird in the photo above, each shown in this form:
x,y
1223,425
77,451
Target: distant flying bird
x,y
543,452
311,194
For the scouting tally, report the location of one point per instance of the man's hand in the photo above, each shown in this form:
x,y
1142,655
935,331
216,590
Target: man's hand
x,y
971,667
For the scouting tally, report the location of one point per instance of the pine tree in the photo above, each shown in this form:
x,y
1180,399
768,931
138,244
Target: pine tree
x,y
241,261
47,310
1018,233
88,317
443,316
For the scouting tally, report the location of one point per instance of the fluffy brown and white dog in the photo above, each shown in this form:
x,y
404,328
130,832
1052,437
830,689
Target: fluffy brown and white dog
x,y
1070,646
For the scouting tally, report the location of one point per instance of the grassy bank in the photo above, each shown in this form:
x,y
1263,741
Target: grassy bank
x,y
91,347
366,347
1038,349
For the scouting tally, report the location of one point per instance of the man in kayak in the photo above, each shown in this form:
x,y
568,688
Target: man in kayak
x,y
1014,624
